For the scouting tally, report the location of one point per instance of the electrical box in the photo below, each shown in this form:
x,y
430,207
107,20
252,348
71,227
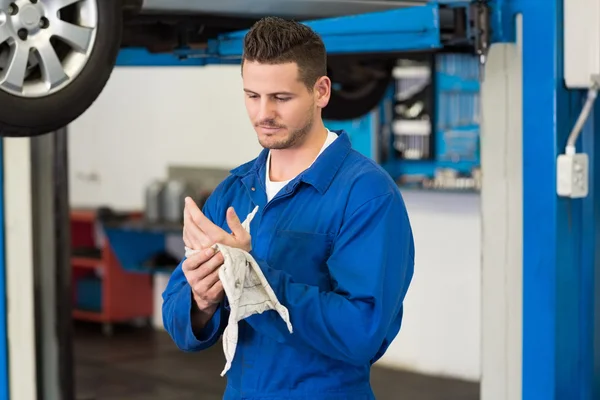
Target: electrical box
x,y
572,175
581,42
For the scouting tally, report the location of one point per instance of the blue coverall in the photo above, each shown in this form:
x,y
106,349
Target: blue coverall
x,y
337,248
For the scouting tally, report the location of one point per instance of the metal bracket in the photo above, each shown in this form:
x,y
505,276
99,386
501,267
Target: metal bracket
x,y
481,21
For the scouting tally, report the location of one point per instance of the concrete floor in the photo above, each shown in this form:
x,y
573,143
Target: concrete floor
x,y
138,364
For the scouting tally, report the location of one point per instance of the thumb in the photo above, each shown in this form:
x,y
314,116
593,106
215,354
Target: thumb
x,y
234,223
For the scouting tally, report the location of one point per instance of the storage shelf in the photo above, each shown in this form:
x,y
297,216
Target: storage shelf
x,y
83,215
85,315
86,262
99,280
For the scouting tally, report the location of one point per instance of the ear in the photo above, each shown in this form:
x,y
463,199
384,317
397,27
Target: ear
x,y
322,91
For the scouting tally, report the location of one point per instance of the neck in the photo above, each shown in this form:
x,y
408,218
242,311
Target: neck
x,y
288,163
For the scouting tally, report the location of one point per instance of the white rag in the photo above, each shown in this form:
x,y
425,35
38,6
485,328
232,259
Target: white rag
x,y
247,290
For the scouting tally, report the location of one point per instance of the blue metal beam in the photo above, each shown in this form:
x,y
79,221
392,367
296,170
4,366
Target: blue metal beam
x,y
502,20
4,356
411,29
140,57
408,29
557,298
590,262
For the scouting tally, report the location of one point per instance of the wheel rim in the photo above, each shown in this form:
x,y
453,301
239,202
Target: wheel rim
x,y
44,44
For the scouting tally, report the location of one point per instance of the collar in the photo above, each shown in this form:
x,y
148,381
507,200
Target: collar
x,y
322,171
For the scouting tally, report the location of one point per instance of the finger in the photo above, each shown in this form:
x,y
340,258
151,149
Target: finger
x,y
215,233
197,260
186,239
198,239
205,284
216,291
205,287
211,265
213,294
233,221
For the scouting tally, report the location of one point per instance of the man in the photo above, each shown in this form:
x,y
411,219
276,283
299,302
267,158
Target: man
x,y
331,235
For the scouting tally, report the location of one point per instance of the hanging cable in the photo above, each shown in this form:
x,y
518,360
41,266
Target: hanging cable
x,y
583,116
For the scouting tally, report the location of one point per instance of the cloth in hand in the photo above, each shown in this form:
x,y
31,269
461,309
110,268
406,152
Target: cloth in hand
x,y
247,291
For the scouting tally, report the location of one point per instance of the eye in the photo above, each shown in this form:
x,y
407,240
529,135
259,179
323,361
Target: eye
x,y
282,99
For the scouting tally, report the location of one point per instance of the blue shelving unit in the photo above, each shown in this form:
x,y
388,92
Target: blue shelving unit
x,y
445,134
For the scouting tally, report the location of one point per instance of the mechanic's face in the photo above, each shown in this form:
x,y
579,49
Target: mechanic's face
x,y
279,105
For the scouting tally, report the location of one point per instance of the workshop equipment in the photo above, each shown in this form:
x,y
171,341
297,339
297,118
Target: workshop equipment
x,y
173,200
154,201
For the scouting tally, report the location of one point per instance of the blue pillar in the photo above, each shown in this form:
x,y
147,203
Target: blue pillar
x,y
559,234
4,379
591,274
590,264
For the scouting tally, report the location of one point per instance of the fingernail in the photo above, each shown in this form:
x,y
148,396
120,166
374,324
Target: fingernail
x,y
209,252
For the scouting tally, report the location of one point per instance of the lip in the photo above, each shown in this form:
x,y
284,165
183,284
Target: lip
x,y
269,129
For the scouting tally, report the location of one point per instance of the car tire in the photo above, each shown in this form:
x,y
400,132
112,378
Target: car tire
x,y
357,87
22,116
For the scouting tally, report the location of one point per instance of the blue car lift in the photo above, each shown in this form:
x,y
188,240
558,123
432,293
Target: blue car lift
x,y
557,321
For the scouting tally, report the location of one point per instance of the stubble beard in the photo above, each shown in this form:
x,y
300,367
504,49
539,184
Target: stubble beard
x,y
294,139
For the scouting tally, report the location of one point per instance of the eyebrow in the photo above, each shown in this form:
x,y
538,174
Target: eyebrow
x,y
271,94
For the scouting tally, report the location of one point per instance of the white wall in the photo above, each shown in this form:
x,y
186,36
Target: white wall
x,y
148,118
441,329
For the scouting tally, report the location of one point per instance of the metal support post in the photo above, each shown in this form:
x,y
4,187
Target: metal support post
x,y
558,257
4,376
502,222
38,267
52,265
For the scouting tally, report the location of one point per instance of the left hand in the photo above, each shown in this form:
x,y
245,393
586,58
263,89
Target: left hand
x,y
239,237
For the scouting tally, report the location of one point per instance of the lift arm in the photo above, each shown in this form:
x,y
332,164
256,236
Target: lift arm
x,y
421,28
458,26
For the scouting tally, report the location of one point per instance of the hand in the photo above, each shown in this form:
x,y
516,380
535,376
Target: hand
x,y
193,237
201,270
203,232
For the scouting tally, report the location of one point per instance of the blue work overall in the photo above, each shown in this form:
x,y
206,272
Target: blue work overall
x,y
337,248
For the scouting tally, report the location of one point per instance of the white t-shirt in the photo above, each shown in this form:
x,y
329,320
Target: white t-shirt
x,y
274,187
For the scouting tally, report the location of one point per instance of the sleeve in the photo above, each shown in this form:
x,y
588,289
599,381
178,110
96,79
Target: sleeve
x,y
371,266
177,316
177,307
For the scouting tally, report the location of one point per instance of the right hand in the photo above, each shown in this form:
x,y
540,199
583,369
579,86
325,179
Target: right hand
x,y
193,237
201,270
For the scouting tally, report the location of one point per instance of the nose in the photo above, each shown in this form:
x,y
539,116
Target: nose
x,y
267,110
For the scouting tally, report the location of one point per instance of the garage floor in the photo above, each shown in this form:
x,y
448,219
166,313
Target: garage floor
x,y
138,364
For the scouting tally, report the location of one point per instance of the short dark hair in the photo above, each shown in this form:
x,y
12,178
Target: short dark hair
x,y
274,40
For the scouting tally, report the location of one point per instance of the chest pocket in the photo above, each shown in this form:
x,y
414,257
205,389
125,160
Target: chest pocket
x,y
302,255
